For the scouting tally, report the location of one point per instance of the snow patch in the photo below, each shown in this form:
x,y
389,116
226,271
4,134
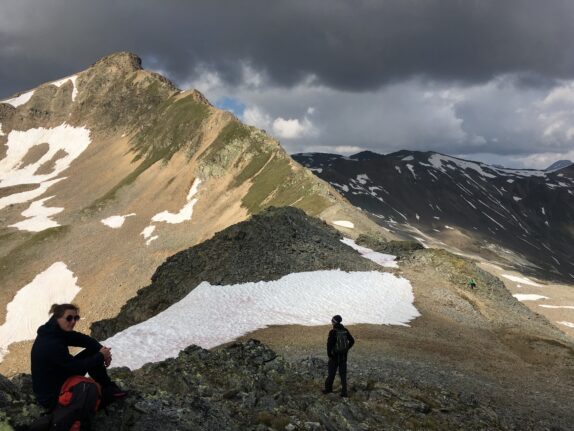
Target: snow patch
x,y
309,298
522,280
29,308
386,260
117,221
344,223
61,82
529,297
185,213
516,198
147,232
362,179
412,169
407,158
398,168
343,187
1,132
569,324
19,100
570,307
38,217
438,160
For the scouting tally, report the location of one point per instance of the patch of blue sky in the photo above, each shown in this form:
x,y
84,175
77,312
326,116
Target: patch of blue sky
x,y
231,104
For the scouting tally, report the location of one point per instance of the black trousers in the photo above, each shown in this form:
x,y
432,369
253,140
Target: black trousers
x,y
337,362
99,373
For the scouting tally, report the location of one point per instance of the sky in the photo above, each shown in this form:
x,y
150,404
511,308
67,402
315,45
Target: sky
x,y
481,79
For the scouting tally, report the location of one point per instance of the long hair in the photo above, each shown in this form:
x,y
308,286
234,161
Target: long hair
x,y
58,310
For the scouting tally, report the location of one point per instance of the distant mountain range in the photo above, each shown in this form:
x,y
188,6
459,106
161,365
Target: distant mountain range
x,y
525,217
556,166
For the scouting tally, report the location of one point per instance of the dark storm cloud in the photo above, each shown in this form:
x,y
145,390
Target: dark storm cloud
x,y
351,45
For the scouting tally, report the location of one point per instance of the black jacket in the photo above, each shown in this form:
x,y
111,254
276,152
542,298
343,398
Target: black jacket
x,y
332,339
52,363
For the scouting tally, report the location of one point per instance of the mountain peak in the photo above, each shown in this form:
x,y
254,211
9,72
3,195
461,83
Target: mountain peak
x,y
366,155
556,166
123,61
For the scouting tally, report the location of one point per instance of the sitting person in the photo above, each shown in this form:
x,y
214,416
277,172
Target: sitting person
x,y
55,372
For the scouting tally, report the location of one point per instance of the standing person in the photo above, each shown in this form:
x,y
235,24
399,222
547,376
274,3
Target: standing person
x,y
339,343
57,376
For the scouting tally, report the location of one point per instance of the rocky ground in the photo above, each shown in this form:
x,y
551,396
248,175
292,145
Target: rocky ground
x,y
247,386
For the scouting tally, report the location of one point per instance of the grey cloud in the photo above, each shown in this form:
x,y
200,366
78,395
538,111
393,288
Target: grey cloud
x,y
359,45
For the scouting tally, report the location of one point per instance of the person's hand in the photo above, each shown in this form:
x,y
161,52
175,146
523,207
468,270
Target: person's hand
x,y
107,353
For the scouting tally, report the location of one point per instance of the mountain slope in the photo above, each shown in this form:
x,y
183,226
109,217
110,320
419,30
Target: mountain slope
x,y
473,358
519,217
106,173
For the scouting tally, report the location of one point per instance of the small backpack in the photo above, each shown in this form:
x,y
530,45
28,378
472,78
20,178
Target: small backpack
x,y
341,341
77,404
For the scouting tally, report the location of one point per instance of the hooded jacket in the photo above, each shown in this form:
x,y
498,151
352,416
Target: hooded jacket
x,y
332,339
52,362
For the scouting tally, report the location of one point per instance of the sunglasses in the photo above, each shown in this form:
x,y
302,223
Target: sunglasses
x,y
74,318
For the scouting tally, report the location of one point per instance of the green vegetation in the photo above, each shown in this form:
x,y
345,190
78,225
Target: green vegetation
x,y
279,185
232,132
174,125
28,248
313,204
254,166
271,177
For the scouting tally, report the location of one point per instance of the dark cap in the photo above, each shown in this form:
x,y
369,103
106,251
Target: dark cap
x,y
336,319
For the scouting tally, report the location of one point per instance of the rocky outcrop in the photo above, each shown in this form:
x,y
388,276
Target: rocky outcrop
x,y
247,386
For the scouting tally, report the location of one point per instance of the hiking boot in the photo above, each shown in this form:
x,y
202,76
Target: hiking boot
x,y
344,394
112,393
327,391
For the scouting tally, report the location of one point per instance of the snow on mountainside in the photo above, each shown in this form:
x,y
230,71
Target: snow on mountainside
x,y
556,166
522,216
113,169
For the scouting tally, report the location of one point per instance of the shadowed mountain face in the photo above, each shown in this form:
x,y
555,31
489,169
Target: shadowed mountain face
x,y
524,216
106,173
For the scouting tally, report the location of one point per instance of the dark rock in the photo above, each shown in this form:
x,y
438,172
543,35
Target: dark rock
x,y
234,388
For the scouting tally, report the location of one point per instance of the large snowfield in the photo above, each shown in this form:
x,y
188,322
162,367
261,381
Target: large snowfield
x,y
213,315
64,140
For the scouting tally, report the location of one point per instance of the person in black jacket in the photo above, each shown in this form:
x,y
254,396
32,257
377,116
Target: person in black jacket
x,y
339,343
52,363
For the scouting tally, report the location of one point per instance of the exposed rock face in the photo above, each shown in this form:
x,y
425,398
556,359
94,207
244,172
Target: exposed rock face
x,y
247,386
472,206
270,245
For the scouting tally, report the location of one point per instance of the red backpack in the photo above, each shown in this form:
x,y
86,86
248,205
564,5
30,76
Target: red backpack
x,y
78,402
